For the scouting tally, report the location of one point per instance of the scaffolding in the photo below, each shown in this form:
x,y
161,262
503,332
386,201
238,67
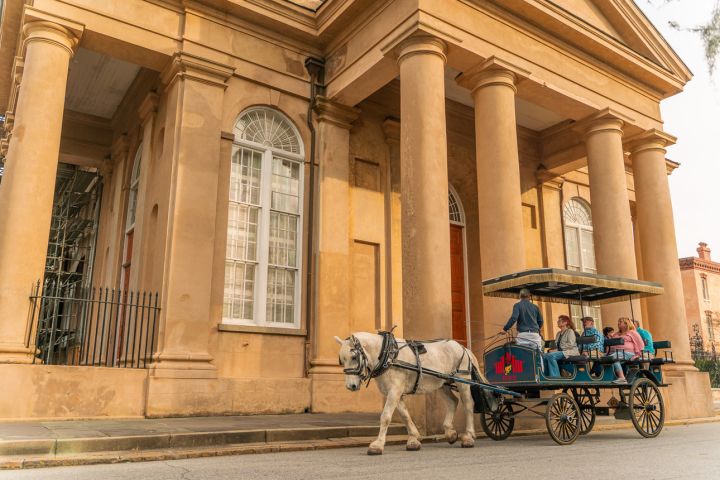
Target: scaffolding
x,y
69,262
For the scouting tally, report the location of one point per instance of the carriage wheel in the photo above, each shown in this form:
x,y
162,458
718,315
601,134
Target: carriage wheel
x,y
499,424
562,418
647,408
586,402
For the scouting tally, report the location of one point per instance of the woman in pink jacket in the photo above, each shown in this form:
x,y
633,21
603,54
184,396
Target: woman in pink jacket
x,y
630,350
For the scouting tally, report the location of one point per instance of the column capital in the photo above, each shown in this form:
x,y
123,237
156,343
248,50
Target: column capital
x,y
187,66
652,139
605,120
391,128
50,32
422,44
493,71
327,110
148,107
119,147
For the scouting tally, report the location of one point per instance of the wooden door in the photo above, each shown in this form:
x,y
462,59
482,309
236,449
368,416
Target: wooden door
x,y
457,284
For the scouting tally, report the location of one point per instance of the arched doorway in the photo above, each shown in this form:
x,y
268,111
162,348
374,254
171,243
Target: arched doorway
x,y
458,269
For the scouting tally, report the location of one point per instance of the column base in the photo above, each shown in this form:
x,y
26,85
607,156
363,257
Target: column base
x,y
689,394
329,395
166,365
16,353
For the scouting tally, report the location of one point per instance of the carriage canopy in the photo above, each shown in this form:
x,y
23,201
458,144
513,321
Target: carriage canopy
x,y
565,286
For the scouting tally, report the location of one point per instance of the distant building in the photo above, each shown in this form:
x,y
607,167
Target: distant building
x,y
701,287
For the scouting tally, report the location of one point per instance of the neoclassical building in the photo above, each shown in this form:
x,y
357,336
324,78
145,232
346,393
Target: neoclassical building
x,y
279,172
701,286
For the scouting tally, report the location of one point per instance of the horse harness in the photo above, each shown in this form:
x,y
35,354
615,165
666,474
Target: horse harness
x,y
388,358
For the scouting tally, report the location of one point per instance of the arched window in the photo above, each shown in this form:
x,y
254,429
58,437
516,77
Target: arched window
x,y
456,213
262,265
580,248
133,192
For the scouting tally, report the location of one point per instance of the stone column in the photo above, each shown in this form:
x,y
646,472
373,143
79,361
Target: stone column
x,y
689,392
393,235
427,305
26,194
502,245
657,241
612,221
333,258
195,89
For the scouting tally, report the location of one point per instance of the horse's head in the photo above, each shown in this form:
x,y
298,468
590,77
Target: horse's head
x,y
354,361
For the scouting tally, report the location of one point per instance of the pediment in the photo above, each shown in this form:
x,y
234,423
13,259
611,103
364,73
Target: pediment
x,y
615,31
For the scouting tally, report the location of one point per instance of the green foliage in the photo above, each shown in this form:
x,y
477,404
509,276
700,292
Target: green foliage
x,y
712,367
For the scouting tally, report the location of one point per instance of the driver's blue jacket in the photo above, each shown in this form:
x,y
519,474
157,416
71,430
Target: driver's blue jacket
x,y
527,315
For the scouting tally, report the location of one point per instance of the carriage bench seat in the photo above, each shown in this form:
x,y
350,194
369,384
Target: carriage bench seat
x,y
667,358
574,360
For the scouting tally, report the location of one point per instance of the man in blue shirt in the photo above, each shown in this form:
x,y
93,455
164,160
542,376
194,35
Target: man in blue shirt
x,y
589,330
529,321
646,336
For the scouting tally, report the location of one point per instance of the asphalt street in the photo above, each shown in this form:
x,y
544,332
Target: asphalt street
x,y
680,452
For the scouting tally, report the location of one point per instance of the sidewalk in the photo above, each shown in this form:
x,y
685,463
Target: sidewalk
x,y
81,442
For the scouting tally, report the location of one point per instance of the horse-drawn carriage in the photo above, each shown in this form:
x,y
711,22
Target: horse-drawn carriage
x,y
571,412
513,381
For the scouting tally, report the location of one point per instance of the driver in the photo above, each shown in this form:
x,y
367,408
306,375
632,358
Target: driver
x,y
529,321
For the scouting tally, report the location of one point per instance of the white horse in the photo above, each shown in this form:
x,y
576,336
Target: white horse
x,y
359,357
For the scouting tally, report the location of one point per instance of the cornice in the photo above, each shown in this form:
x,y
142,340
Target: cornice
x,y
695,263
191,67
340,115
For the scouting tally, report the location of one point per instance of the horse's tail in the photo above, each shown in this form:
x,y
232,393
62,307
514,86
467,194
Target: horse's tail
x,y
477,374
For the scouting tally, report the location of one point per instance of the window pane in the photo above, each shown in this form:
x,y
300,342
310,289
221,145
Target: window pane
x,y
572,248
281,296
239,290
245,173
283,239
242,232
588,250
285,185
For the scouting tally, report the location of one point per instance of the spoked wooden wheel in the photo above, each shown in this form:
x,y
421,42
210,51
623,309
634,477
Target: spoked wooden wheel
x,y
586,402
647,409
499,424
562,418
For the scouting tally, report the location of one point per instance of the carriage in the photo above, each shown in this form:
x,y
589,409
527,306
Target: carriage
x,y
572,410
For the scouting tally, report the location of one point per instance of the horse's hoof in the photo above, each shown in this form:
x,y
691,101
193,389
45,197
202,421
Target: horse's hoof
x,y
451,437
413,446
374,451
467,443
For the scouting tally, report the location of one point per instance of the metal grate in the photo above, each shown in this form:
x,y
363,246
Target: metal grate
x,y
94,327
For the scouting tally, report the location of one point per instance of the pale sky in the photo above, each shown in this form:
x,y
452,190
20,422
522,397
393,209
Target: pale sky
x,y
694,117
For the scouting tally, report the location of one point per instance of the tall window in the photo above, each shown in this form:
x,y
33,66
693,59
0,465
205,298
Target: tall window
x,y
262,265
580,249
705,290
711,333
133,194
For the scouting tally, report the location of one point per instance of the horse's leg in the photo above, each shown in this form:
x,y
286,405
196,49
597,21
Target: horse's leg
x,y
391,402
467,439
413,442
451,403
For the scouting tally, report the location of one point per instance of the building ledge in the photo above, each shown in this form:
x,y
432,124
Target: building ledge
x,y
296,332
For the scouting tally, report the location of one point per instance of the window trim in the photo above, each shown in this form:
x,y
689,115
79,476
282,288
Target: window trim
x,y
260,294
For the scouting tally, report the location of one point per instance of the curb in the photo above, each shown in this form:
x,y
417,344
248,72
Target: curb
x,y
200,451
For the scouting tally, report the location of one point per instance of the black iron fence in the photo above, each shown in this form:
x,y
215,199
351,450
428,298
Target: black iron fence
x,y
93,326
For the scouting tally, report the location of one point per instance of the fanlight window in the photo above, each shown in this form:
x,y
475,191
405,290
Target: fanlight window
x,y
264,236
269,128
455,212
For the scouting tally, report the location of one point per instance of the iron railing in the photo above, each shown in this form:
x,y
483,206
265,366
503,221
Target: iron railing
x,y
94,326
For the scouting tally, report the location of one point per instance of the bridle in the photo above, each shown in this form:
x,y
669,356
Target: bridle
x,y
388,354
357,353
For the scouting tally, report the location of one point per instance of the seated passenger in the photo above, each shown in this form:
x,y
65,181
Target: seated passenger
x,y
607,334
630,350
589,330
647,338
566,344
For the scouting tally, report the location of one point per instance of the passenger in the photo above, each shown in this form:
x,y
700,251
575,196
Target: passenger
x,y
647,339
589,330
566,343
608,334
631,350
529,321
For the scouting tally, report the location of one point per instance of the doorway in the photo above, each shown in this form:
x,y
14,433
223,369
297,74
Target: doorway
x,y
458,269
